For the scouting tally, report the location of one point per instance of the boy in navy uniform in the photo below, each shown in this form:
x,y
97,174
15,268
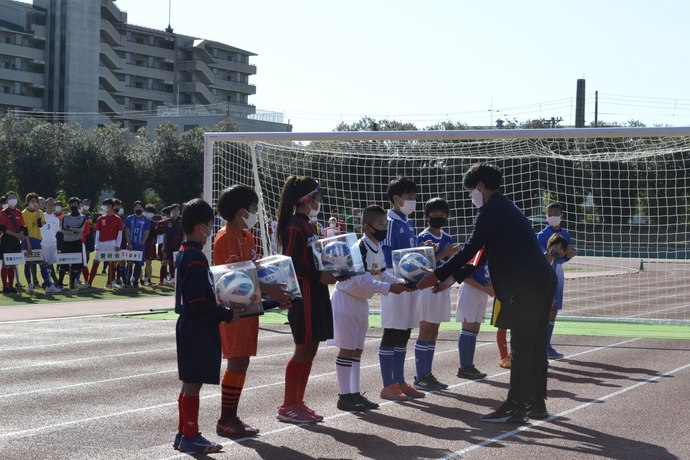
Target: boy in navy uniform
x,y
554,216
197,333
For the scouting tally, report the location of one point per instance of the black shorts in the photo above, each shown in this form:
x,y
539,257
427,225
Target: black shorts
x,y
311,319
9,244
198,350
500,316
73,247
89,242
150,251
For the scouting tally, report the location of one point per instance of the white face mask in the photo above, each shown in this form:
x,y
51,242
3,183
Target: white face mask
x,y
331,224
477,199
12,202
33,205
554,221
81,210
408,207
104,209
5,206
315,212
121,211
58,208
149,215
204,233
250,220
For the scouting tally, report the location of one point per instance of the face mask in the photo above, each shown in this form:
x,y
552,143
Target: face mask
x,y
5,206
313,219
437,222
315,212
149,215
331,224
477,199
138,212
104,209
50,209
250,221
175,214
33,205
204,233
555,252
58,208
74,209
120,211
554,221
379,235
12,202
408,207
81,209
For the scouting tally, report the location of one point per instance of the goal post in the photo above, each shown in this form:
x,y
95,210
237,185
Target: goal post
x,y
624,192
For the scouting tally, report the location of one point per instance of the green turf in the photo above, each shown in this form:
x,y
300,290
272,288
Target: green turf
x,y
583,328
96,293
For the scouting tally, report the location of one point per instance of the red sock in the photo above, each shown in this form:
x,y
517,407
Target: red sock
x,y
94,271
293,380
10,276
5,273
502,343
85,273
303,383
180,423
190,409
230,391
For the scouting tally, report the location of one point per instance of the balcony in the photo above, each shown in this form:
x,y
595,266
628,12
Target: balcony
x,y
148,72
110,81
110,34
149,94
24,102
199,48
23,76
200,69
107,103
202,93
235,86
111,58
235,66
114,10
22,51
148,50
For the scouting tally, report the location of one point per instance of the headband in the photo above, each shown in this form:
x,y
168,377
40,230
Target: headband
x,y
310,194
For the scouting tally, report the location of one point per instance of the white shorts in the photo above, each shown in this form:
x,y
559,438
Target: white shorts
x,y
107,245
49,252
434,308
350,321
400,311
471,304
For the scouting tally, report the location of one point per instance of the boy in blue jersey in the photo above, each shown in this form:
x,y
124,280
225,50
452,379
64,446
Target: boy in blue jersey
x,y
434,308
137,227
554,217
401,313
197,333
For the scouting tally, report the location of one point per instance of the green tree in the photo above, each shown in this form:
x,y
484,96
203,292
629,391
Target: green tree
x,y
127,166
84,164
37,167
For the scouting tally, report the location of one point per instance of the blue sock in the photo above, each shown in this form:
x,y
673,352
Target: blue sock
x,y
123,274
420,357
399,355
137,272
27,273
552,323
431,348
464,343
46,275
386,362
473,346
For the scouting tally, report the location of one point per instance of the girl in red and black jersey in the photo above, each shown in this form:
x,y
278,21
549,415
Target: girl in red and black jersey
x,y
311,319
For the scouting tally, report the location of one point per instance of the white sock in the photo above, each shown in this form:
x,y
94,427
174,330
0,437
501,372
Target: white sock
x,y
354,377
343,369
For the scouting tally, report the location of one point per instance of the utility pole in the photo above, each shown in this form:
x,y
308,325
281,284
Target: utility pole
x,y
596,107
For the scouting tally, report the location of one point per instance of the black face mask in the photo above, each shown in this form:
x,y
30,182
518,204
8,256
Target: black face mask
x,y
379,235
138,212
438,222
75,210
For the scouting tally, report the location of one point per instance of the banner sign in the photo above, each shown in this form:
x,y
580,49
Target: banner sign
x,y
117,256
36,255
69,258
14,258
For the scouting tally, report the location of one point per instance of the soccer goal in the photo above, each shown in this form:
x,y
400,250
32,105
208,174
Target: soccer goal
x,y
624,192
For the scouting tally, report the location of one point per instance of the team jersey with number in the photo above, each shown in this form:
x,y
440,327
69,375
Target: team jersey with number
x,y
11,219
442,241
137,227
108,226
32,219
481,275
50,228
400,235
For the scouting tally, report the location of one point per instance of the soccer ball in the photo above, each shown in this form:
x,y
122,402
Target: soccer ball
x,y
410,267
236,288
337,256
271,274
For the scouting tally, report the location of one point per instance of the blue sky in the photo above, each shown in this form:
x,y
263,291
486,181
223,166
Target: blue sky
x,y
321,62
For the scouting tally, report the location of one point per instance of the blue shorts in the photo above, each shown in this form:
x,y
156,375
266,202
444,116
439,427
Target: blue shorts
x,y
35,244
139,247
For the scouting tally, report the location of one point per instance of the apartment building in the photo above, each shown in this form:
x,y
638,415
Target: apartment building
x,y
79,60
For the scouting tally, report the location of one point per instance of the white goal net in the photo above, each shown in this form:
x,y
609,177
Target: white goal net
x,y
624,193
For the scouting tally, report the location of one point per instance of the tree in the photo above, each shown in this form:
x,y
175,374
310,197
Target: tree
x,y
84,164
37,167
127,167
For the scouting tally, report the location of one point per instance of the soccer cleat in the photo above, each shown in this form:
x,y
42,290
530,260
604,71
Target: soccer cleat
x,y
470,373
393,393
435,381
176,442
303,407
509,412
107,286
6,291
30,288
52,289
160,283
506,362
86,286
350,403
409,391
427,383
72,288
293,414
198,444
553,354
363,400
78,282
536,408
13,291
235,428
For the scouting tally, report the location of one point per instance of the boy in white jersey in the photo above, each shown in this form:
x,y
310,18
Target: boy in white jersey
x,y
49,233
351,309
